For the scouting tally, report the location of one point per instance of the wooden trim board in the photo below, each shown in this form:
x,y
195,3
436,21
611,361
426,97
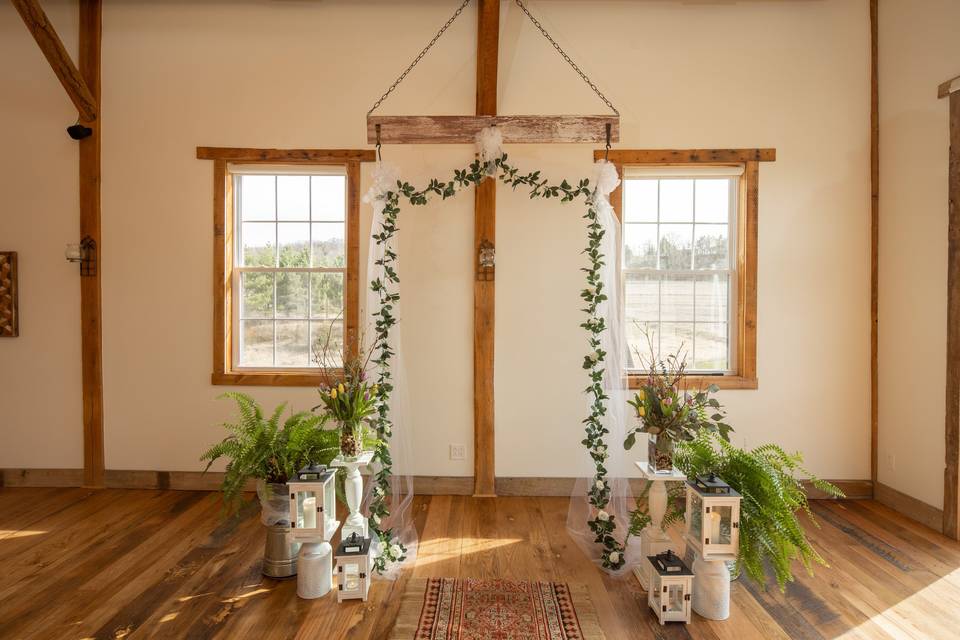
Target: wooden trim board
x,y
686,156
874,240
299,156
909,506
951,474
515,129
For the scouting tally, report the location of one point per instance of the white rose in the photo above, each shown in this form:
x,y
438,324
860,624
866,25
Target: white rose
x,y
396,551
590,290
600,484
594,356
375,518
614,557
603,516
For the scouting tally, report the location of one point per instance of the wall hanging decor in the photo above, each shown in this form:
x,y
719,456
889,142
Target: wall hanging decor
x,y
9,317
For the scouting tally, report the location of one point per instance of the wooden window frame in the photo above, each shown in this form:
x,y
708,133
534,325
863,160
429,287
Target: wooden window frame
x,y
224,372
745,354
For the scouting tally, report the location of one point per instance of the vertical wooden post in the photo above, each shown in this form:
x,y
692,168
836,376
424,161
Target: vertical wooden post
x,y
488,35
90,311
951,474
874,241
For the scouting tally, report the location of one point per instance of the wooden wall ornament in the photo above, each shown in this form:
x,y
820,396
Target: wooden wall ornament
x,y
9,317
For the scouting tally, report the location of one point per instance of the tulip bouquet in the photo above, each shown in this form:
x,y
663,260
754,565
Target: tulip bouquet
x,y
669,413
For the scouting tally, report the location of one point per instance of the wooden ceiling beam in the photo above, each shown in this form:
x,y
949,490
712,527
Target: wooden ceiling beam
x,y
52,47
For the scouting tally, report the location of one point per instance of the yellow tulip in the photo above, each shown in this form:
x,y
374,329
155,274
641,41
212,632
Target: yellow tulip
x,y
340,387
641,412
333,393
642,394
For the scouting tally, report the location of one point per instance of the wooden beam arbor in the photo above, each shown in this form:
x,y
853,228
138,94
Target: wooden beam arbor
x,y
515,129
951,474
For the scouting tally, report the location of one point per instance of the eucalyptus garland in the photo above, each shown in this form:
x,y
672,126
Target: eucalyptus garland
x,y
601,523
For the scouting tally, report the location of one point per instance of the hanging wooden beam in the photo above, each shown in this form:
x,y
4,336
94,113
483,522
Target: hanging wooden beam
x,y
91,340
52,47
951,474
485,233
515,129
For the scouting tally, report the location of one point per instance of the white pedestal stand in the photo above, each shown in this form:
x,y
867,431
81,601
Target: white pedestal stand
x,y
353,487
653,539
711,587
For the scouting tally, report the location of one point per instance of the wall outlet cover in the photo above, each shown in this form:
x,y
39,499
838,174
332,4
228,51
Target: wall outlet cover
x,y
458,452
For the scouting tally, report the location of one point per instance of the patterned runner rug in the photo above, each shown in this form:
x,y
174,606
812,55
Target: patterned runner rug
x,y
472,609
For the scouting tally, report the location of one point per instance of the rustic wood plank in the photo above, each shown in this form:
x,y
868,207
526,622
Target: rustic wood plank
x,y
352,298
91,340
85,98
687,156
221,268
747,260
9,304
485,232
515,129
874,240
948,87
298,156
951,474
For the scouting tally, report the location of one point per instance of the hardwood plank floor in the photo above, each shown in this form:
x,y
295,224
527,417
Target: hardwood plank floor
x,y
78,563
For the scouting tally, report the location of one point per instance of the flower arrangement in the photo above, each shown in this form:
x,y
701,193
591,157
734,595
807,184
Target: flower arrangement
x,y
669,412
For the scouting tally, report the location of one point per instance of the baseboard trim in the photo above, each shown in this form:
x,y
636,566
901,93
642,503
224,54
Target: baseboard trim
x,y
422,485
911,507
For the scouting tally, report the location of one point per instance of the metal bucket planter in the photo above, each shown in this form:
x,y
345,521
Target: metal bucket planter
x,y
279,554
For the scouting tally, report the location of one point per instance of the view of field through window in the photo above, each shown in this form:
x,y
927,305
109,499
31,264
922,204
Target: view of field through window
x,y
291,268
678,269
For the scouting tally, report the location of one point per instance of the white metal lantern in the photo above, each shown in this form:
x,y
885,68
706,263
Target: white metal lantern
x,y
313,504
671,585
713,518
353,568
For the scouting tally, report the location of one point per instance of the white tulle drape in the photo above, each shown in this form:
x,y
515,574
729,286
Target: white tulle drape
x,y
614,342
400,520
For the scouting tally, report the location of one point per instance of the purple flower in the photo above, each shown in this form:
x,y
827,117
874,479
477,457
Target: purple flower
x,y
668,401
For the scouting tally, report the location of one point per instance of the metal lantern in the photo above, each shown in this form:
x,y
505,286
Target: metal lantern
x,y
713,518
353,568
313,504
670,588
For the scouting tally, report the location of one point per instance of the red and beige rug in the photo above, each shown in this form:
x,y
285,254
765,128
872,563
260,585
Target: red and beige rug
x,y
472,609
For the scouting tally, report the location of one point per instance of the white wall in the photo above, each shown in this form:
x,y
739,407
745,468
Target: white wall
x,y
919,49
41,413
792,75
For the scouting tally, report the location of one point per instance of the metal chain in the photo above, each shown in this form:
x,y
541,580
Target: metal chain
x,y
573,64
403,75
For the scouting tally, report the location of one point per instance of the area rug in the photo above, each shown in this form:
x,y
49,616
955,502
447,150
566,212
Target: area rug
x,y
473,609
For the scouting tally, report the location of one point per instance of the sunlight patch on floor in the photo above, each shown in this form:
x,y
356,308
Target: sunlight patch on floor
x,y
23,533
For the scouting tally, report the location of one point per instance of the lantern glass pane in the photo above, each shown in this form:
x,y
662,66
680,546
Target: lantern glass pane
x,y
675,598
696,515
329,502
351,576
723,516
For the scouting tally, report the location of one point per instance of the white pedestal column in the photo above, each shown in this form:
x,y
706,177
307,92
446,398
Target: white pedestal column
x,y
653,539
711,588
353,488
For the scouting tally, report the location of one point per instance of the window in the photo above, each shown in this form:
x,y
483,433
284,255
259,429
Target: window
x,y
689,259
286,262
679,232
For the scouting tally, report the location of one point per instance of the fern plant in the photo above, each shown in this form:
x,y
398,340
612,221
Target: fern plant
x,y
769,479
261,447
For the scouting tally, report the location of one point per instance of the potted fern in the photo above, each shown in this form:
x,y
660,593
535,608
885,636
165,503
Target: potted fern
x,y
270,450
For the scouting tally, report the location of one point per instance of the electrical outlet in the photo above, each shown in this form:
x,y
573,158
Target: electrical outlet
x,y
458,451
892,461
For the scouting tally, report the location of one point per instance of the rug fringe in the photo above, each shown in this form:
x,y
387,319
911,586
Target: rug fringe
x,y
586,612
411,604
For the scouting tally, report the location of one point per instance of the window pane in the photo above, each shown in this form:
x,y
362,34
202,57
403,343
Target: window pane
x,y
710,351
713,200
294,239
327,295
292,295
327,342
675,246
676,201
257,295
293,197
676,298
257,198
328,197
676,338
642,297
640,200
328,244
638,348
259,244
710,246
640,246
256,343
712,296
293,343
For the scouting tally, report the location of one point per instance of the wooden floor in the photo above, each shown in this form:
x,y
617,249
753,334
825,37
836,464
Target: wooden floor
x,y
162,564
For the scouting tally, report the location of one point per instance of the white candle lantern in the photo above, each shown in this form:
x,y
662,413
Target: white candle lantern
x,y
671,585
353,568
713,518
313,504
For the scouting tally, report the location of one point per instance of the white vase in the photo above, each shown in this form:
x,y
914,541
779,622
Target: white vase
x,y
314,570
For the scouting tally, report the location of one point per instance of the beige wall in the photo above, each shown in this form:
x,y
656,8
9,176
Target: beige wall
x,y
919,49
792,75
